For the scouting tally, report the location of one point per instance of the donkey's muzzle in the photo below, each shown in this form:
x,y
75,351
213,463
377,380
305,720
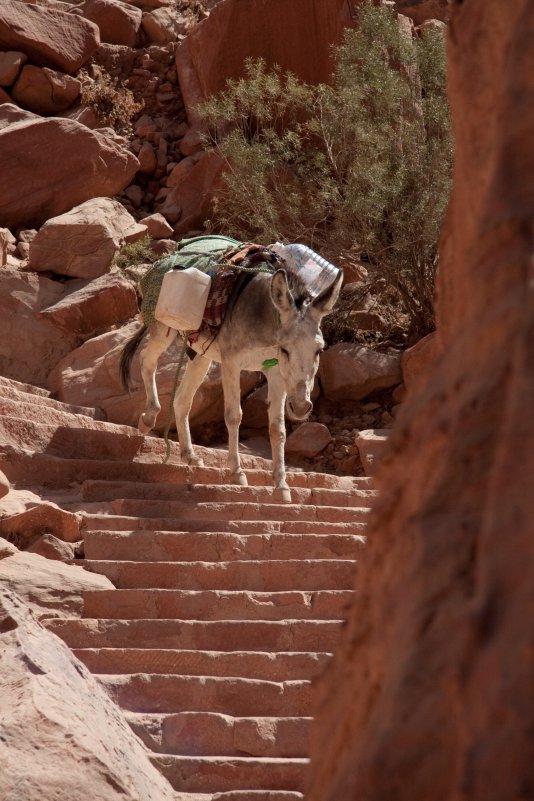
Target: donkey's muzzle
x,y
299,410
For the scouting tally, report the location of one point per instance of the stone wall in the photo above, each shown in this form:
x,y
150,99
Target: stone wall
x,y
428,697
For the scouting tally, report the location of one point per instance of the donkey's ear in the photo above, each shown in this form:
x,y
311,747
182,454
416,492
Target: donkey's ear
x,y
280,293
325,302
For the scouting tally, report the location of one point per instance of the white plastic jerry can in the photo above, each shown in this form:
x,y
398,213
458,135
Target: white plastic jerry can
x,y
182,299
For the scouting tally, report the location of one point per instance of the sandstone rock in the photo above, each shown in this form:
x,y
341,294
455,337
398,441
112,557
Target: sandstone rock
x,y
11,63
44,518
419,361
354,273
49,37
179,173
134,193
45,91
308,440
49,587
4,97
7,548
4,485
422,10
371,444
147,158
351,372
38,159
90,375
52,548
91,307
157,226
255,410
426,694
190,200
83,242
62,735
163,25
162,247
117,22
4,240
30,345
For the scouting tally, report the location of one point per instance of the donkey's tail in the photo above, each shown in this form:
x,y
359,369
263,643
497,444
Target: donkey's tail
x,y
127,355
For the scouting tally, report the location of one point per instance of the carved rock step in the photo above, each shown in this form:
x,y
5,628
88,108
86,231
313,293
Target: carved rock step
x,y
262,576
57,471
126,523
11,390
217,774
230,695
14,403
166,546
247,795
230,635
215,734
216,605
197,493
238,511
272,666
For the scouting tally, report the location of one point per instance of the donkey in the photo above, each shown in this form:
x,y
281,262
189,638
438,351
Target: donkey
x,y
273,318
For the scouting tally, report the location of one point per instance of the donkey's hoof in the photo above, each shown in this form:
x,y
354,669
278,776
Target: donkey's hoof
x,y
192,460
143,426
282,494
239,477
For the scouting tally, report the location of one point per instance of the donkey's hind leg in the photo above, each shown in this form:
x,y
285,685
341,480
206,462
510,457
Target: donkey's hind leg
x,y
192,378
159,339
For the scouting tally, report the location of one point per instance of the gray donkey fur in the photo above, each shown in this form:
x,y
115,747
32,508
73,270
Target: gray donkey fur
x,y
274,317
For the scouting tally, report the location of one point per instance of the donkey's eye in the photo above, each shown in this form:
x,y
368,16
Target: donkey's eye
x,y
285,352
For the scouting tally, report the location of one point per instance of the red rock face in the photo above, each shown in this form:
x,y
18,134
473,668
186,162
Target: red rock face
x,y
429,695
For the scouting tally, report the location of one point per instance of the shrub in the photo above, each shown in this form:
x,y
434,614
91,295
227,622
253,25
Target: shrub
x,y
113,103
359,170
134,258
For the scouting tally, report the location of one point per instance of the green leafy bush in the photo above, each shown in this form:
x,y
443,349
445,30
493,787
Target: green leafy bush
x,y
359,170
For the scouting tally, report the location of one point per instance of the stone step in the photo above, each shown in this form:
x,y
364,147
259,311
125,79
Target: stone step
x,y
272,666
219,774
167,546
238,511
57,471
14,397
245,795
22,408
215,734
261,576
10,384
227,635
124,524
142,692
197,493
216,605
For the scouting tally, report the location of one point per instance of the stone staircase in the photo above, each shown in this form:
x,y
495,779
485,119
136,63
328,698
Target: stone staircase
x,y
226,606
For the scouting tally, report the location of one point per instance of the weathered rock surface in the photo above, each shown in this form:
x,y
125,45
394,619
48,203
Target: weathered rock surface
x,y
157,226
92,307
308,440
371,444
45,518
52,548
11,63
38,159
189,201
163,25
419,361
117,22
62,736
428,696
48,36
422,10
7,548
50,588
29,344
45,91
83,242
351,371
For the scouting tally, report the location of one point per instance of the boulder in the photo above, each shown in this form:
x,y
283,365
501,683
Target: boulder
x,y
422,10
49,587
38,159
164,25
4,97
255,409
48,36
371,444
7,548
297,36
52,548
11,63
157,226
351,372
4,241
308,440
83,242
28,526
189,202
419,361
90,375
147,158
45,91
29,344
117,22
91,307
4,485
62,735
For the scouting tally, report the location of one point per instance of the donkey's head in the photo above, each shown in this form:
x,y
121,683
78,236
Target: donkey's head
x,y
299,339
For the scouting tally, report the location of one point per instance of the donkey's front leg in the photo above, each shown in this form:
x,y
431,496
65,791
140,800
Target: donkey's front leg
x,y
159,339
192,378
277,434
232,417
